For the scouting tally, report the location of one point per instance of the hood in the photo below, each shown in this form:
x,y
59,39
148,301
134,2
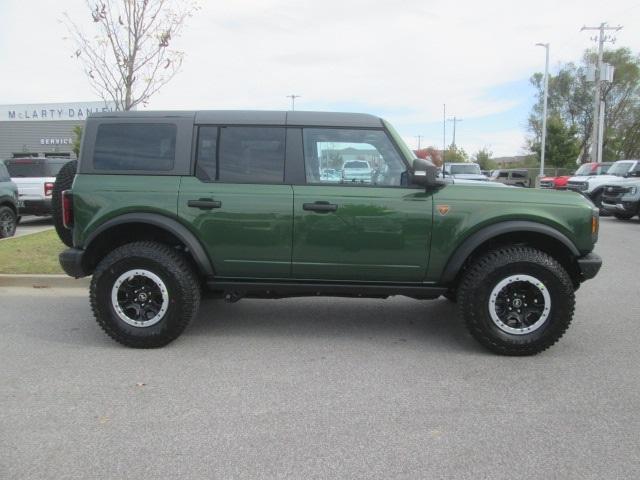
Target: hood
x,y
471,176
603,178
458,180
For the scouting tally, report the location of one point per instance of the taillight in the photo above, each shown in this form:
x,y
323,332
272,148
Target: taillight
x,y
67,209
48,189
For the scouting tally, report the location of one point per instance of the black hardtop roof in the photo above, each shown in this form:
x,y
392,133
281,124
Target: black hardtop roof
x,y
256,117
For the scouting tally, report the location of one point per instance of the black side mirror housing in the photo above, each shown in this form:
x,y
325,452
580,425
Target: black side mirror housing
x,y
425,174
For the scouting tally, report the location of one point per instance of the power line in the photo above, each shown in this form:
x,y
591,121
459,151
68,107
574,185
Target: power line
x,y
598,107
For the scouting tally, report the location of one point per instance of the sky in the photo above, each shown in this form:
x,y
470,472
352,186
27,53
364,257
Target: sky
x,y
401,60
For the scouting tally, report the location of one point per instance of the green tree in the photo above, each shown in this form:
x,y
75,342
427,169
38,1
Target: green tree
x,y
571,100
77,140
455,154
562,146
483,158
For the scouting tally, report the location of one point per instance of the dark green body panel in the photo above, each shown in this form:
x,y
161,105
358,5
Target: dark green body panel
x,y
98,198
250,235
472,208
9,193
376,234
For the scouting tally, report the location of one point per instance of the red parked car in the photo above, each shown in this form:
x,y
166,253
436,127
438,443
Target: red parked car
x,y
585,170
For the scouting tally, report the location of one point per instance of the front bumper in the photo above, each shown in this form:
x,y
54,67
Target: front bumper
x,y
589,266
71,262
620,207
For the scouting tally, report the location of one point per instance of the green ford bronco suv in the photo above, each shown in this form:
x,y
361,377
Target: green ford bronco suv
x,y
260,204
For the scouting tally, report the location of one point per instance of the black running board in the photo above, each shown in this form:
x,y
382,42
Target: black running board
x,y
235,289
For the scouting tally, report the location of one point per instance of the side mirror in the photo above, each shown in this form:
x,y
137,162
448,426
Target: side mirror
x,y
425,174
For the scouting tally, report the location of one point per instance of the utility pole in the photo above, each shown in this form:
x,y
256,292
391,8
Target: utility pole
x,y
419,137
544,106
596,148
293,100
455,120
444,133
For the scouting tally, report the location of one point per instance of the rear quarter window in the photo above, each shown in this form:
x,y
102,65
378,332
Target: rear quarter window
x,y
135,146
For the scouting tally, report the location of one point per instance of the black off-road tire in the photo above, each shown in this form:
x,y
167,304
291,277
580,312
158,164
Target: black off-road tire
x,y
488,271
182,286
451,295
8,222
624,216
63,182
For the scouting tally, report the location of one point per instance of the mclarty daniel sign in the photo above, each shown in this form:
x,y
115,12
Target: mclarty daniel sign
x,y
53,111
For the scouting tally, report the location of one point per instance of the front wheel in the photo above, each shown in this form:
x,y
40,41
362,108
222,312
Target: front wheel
x,y
516,300
144,294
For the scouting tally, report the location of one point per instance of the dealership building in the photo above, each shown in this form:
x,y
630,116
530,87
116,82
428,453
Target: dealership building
x,y
44,129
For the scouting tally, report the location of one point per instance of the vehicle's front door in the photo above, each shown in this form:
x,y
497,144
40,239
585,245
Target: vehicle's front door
x,y
237,203
353,219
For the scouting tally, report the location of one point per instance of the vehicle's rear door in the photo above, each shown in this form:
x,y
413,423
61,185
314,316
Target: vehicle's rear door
x,y
237,202
377,230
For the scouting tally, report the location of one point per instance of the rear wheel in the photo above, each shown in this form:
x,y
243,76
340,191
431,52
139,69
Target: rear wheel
x,y
516,300
8,222
63,182
144,294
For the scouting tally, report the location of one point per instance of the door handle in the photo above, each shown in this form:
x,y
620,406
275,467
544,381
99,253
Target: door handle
x,y
205,203
322,207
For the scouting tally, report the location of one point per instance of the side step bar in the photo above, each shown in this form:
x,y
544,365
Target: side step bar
x,y
235,289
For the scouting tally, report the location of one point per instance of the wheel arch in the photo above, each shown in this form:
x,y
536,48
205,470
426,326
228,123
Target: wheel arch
x,y
537,235
144,226
7,202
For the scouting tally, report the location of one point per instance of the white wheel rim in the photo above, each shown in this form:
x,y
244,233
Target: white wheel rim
x,y
519,306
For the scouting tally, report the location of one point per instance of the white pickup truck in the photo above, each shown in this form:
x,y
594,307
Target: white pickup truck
x,y
35,177
592,186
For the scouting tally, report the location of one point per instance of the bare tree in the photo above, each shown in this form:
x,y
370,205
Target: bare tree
x,y
129,56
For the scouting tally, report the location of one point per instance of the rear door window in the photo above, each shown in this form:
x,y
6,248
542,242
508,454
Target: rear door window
x,y
241,154
135,146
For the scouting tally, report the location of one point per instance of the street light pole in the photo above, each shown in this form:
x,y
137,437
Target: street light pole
x,y
544,106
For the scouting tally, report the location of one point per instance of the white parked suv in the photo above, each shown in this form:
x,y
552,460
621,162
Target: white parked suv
x,y
35,177
465,170
593,186
358,171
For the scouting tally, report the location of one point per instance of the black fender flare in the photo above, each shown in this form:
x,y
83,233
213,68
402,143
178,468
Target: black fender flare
x,y
166,223
9,202
460,255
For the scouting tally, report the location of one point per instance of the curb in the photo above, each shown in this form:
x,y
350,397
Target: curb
x,y
43,281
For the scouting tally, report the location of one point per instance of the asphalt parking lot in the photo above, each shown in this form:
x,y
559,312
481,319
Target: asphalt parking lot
x,y
32,224
324,388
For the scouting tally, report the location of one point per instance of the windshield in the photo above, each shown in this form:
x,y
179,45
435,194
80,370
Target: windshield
x,y
356,164
583,170
470,168
620,168
25,168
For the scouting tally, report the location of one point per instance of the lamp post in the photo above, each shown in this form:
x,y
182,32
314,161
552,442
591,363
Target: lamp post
x,y
544,106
